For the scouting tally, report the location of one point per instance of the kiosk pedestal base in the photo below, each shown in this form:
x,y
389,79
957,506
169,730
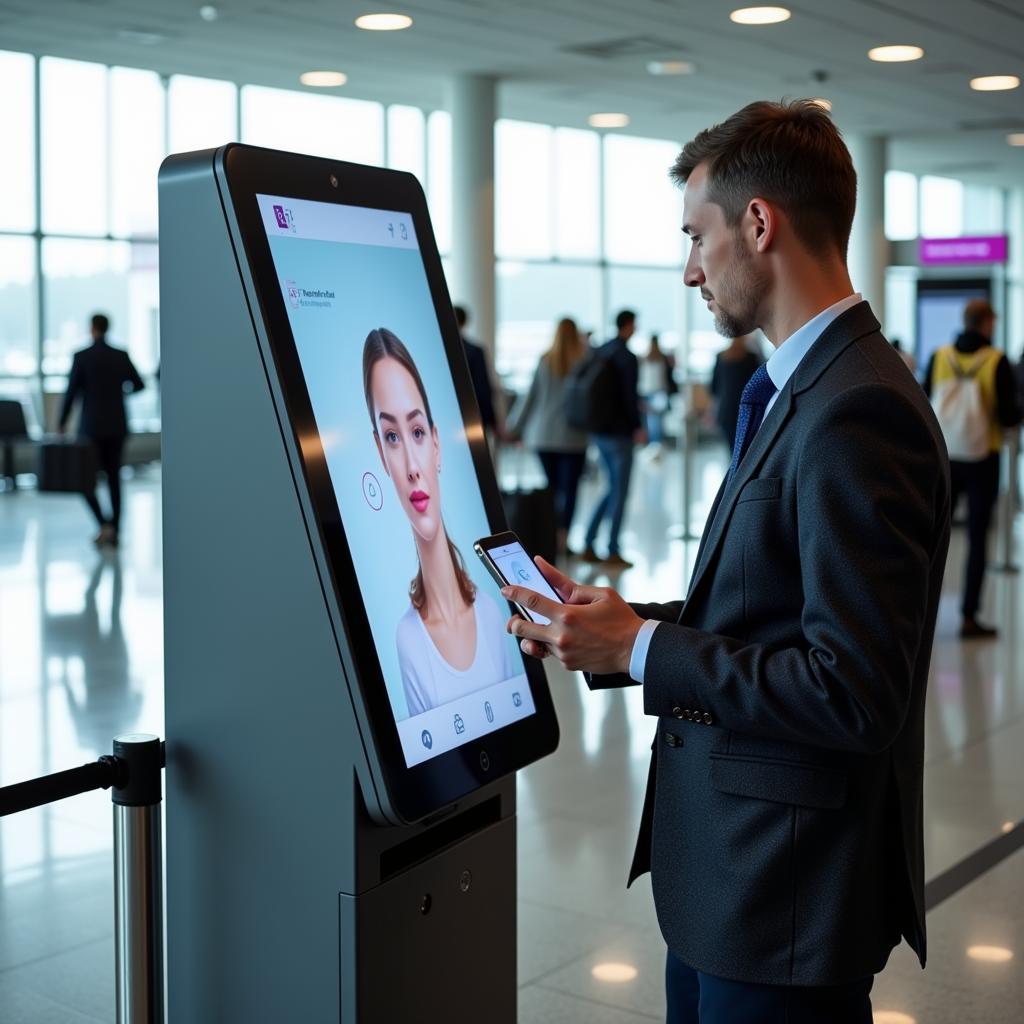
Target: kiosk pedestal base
x,y
435,942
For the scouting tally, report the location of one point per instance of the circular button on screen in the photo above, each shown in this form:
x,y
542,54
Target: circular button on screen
x,y
372,492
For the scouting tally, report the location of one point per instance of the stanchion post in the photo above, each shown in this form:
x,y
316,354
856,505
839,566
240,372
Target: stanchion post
x,y
1009,505
138,881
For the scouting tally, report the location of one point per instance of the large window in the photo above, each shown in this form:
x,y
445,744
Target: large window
x,y
17,128
202,113
330,126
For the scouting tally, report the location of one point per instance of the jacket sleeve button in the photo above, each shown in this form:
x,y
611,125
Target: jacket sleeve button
x,y
678,712
707,718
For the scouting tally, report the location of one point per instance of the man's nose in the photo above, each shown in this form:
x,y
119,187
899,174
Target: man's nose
x,y
693,274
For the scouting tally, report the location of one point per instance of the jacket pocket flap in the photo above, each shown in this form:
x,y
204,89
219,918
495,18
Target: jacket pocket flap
x,y
763,488
784,782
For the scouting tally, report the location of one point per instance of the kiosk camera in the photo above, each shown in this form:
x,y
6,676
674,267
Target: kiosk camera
x,y
345,712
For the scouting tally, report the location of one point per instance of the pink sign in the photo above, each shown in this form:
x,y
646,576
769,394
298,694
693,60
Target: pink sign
x,y
938,252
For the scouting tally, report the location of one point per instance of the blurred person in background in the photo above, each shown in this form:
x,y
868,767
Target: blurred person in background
x,y
101,376
656,385
734,366
539,421
967,381
615,443
487,396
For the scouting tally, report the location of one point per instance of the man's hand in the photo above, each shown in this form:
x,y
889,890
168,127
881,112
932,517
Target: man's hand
x,y
593,631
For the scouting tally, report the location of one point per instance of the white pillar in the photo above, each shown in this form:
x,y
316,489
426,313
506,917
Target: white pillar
x,y
473,105
869,248
1015,274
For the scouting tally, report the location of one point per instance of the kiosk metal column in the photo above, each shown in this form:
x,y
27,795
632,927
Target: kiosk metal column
x,y
298,886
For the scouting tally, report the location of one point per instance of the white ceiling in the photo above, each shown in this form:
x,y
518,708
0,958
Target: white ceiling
x,y
538,49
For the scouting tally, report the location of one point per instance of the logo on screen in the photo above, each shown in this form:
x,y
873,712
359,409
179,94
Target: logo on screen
x,y
293,293
284,217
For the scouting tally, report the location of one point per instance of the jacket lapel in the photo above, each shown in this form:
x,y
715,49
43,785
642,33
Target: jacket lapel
x,y
842,332
759,448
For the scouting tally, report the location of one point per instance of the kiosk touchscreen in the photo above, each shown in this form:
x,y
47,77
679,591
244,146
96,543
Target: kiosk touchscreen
x,y
373,378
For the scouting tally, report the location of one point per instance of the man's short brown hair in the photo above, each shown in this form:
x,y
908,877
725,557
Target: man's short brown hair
x,y
789,153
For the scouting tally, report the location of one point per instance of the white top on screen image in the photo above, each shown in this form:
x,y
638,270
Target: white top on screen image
x,y
429,680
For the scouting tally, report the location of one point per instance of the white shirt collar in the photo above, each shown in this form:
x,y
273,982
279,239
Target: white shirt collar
x,y
782,363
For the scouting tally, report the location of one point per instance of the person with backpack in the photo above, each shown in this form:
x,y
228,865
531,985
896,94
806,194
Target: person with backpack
x,y
540,420
615,426
971,387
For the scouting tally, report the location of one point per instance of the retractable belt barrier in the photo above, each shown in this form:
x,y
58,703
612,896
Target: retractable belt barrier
x,y
133,774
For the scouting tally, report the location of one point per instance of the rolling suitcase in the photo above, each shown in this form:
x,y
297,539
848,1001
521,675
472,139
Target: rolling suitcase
x,y
66,467
531,514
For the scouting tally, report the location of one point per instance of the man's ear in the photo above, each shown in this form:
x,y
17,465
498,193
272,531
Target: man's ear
x,y
762,223
380,452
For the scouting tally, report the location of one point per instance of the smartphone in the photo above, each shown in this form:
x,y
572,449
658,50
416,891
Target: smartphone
x,y
506,560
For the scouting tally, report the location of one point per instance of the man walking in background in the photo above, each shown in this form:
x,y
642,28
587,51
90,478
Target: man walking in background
x,y
973,393
615,442
100,377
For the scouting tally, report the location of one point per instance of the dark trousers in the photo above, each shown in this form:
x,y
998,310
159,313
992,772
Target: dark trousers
x,y
697,998
980,482
108,457
563,470
617,455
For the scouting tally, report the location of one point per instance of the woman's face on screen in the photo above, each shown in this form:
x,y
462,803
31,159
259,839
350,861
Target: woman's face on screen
x,y
408,445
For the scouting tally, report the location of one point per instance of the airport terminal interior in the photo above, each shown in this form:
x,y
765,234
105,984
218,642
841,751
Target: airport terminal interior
x,y
542,136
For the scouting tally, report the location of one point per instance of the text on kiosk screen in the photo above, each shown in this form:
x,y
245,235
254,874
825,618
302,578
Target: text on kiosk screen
x,y
385,406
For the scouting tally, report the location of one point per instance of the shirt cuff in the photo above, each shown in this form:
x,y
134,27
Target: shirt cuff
x,y
641,645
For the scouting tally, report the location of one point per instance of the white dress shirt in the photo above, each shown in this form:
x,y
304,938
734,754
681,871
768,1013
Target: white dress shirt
x,y
781,365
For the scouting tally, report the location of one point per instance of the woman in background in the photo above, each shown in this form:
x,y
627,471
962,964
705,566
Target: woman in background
x,y
539,421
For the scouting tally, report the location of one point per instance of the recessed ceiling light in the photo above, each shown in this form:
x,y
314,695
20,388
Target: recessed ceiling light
x,y
383,22
140,36
608,120
990,954
892,1017
670,67
615,973
323,79
1016,139
208,12
995,83
760,15
823,103
895,54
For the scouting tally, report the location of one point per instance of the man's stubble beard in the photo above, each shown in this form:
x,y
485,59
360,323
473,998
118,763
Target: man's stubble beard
x,y
748,286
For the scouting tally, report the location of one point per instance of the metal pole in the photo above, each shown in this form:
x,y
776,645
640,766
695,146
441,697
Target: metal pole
x,y
1009,504
138,883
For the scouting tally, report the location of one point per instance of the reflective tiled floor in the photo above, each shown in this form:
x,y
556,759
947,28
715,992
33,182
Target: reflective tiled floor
x,y
81,659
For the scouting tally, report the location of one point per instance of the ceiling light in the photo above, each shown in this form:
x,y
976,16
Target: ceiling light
x,y
670,67
995,83
323,79
895,54
615,973
990,954
760,15
823,103
140,37
383,22
1017,139
208,12
608,120
892,1017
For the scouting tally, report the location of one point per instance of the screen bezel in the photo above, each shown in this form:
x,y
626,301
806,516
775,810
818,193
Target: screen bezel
x,y
431,785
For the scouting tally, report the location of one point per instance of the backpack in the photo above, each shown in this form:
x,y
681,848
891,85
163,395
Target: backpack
x,y
592,395
960,409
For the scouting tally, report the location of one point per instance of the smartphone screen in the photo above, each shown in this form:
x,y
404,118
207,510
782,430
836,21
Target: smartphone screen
x,y
509,563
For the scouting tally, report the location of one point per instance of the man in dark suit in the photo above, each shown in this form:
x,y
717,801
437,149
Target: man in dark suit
x,y
783,819
483,388
615,443
100,376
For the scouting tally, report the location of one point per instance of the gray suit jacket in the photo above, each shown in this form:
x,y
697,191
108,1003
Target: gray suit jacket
x,y
782,824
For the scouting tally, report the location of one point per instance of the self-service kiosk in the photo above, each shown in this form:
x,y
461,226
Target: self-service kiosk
x,y
344,709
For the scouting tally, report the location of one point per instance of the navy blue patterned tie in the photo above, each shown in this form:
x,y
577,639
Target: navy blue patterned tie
x,y
756,396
